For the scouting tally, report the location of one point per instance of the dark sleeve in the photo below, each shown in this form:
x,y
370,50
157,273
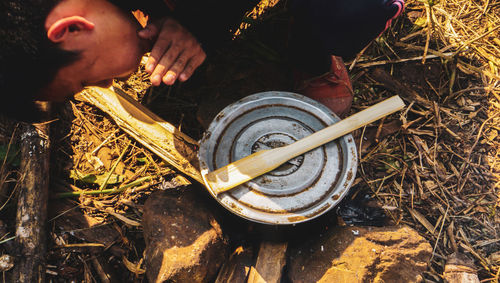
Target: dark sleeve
x,y
212,21
344,27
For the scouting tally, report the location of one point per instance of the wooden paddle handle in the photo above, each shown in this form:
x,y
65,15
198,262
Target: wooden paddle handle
x,y
259,163
343,127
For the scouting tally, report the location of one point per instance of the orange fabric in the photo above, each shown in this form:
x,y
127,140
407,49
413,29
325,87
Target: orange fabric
x,y
141,17
333,89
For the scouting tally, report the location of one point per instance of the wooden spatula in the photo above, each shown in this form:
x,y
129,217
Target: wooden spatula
x,y
254,165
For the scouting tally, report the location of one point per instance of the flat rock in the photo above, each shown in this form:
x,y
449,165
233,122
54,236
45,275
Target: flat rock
x,y
184,242
360,254
80,225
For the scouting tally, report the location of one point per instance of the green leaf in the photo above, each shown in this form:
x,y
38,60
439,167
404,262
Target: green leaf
x,y
95,179
10,155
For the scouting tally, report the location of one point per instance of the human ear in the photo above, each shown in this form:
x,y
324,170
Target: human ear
x,y
59,30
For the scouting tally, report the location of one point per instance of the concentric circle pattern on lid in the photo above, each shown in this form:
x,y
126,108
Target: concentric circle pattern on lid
x,y
299,190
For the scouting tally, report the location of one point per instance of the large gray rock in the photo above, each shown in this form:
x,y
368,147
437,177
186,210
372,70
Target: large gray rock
x,y
360,254
184,242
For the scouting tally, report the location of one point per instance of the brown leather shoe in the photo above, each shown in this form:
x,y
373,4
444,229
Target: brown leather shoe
x,y
333,89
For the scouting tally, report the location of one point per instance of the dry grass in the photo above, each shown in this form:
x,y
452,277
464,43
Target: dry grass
x,y
440,173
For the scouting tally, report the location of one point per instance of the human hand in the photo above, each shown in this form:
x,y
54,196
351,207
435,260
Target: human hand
x,y
176,53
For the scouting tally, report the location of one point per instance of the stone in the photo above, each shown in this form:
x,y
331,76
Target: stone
x,y
6,262
184,242
460,269
80,225
360,254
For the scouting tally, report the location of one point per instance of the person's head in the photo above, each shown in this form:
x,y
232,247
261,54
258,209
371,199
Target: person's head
x,y
51,49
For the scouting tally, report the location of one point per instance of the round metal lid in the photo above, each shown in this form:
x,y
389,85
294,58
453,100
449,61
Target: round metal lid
x,y
299,190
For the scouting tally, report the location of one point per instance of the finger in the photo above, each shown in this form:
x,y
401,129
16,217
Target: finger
x,y
149,32
191,66
161,45
165,63
157,75
169,78
176,68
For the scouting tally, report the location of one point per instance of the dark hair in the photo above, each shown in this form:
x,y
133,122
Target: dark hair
x,y
28,59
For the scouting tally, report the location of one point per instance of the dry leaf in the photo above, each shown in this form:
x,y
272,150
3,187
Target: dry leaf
x,y
134,268
420,218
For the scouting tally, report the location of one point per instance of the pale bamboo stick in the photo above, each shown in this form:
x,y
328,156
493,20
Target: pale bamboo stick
x,y
261,162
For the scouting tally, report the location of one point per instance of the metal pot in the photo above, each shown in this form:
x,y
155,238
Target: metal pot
x,y
299,190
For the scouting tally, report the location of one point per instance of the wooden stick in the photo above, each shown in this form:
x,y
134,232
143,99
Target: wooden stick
x,y
385,62
237,267
261,162
162,138
270,263
404,91
254,276
32,204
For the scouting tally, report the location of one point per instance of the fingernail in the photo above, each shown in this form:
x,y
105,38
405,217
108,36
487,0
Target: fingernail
x,y
156,80
149,67
169,78
183,77
143,34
